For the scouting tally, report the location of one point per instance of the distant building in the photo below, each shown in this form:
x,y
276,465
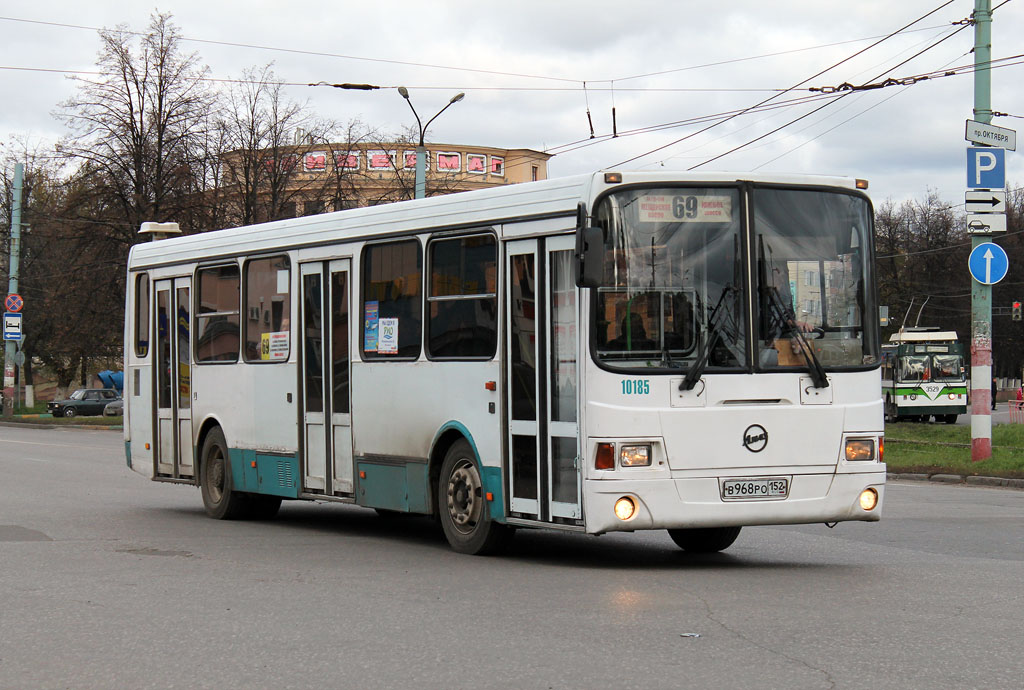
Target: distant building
x,y
309,178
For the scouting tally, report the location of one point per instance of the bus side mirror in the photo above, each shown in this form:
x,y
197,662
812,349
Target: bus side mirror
x,y
589,256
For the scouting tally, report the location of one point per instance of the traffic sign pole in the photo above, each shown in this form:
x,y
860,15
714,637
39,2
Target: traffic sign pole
x,y
981,294
12,285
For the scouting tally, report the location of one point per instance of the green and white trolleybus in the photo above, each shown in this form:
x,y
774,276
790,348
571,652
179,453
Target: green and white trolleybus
x,y
609,352
923,375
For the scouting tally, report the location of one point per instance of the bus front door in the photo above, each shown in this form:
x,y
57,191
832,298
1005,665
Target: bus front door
x,y
326,419
174,456
541,370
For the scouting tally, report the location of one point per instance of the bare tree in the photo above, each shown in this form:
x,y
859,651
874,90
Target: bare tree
x,y
134,126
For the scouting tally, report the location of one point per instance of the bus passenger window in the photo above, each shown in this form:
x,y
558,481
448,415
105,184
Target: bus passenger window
x,y
462,315
142,315
267,309
392,300
217,322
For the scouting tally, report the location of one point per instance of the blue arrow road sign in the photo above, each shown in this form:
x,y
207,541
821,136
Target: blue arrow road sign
x,y
12,326
988,263
986,167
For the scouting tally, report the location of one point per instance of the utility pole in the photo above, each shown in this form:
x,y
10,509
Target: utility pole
x,y
981,293
12,286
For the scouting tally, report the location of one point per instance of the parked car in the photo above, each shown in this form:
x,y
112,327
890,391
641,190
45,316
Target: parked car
x,y
114,409
84,401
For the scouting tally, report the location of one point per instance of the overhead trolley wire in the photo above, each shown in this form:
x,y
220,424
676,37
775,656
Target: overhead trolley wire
x,y
794,87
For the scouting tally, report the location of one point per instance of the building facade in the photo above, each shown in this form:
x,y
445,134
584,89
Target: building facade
x,y
308,178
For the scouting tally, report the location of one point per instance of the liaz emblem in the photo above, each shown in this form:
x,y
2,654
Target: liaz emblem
x,y
755,438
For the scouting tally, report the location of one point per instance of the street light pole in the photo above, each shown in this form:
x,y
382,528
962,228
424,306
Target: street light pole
x,y
421,151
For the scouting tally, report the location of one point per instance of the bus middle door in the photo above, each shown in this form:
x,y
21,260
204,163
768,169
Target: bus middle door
x,y
541,373
325,410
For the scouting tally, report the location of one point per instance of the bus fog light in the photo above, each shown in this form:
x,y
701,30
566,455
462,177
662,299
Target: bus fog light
x,y
635,456
860,449
625,509
868,499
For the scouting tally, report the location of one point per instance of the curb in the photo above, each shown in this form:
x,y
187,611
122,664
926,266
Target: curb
x,y
968,479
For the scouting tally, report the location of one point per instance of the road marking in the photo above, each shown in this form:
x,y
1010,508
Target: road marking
x,y
55,445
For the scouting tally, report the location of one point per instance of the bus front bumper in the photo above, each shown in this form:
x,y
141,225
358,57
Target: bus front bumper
x,y
697,502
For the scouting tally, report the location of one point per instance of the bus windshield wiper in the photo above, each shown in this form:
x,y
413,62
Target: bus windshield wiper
x,y
704,354
817,372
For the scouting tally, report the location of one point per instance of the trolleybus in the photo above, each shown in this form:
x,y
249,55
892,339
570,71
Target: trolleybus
x,y
609,352
923,375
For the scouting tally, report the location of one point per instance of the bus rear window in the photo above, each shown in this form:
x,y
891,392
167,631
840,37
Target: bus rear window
x,y
142,315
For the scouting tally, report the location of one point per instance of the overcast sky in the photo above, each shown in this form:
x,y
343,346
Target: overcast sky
x,y
523,66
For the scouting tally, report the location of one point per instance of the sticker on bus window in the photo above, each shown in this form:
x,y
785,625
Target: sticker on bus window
x,y
370,327
387,343
685,208
274,346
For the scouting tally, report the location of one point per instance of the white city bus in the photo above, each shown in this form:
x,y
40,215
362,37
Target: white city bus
x,y
610,352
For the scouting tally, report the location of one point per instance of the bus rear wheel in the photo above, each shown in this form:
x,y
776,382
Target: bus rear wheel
x,y
704,539
221,501
463,510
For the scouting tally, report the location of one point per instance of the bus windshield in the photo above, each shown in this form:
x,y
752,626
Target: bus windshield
x,y
672,275
675,281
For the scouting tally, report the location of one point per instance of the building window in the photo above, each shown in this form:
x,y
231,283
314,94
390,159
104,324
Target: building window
x,y
449,162
217,321
476,163
533,173
312,208
142,314
267,309
392,300
380,160
498,166
462,314
287,210
346,161
315,161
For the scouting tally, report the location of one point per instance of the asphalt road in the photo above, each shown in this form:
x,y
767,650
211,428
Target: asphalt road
x,y
110,581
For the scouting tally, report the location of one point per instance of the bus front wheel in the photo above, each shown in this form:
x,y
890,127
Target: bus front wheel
x,y
462,506
219,498
704,539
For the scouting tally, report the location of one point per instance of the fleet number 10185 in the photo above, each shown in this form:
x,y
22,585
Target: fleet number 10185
x,y
636,387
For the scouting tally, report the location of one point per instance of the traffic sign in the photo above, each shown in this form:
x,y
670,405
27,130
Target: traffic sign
x,y
12,326
988,263
14,302
985,202
986,167
986,223
990,135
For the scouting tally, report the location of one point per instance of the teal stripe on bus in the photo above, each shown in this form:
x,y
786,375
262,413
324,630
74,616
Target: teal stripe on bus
x,y
493,483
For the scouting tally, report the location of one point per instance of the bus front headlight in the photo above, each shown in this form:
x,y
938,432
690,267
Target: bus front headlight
x,y
635,456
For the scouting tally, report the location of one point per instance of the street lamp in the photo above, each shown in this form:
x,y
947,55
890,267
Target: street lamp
x,y
421,151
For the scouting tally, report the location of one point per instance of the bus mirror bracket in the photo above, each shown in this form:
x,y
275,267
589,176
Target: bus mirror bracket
x,y
589,252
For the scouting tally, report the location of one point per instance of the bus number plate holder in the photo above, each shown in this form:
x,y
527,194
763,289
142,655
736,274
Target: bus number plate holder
x,y
761,488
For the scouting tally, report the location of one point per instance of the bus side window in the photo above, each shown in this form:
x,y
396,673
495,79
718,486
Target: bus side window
x,y
462,314
267,309
392,276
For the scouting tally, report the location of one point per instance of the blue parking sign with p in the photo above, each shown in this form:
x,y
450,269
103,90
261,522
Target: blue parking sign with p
x,y
986,167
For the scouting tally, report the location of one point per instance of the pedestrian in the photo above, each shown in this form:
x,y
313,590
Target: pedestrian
x,y
995,388
1020,395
